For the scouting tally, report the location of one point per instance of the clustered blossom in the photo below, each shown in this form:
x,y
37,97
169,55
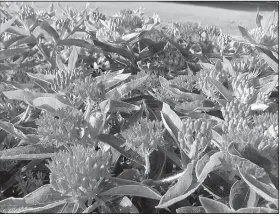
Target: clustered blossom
x,y
63,79
60,128
243,88
27,12
78,173
236,115
249,63
144,136
195,136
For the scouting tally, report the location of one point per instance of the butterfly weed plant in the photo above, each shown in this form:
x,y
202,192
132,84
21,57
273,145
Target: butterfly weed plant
x,y
128,114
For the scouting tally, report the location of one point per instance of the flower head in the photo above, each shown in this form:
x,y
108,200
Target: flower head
x,y
78,173
144,136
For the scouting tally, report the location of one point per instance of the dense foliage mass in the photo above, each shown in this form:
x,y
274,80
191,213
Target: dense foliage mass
x,y
125,114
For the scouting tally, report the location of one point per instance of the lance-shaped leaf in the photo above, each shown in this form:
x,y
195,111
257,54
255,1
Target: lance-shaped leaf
x,y
8,53
72,59
133,190
257,210
117,92
228,66
222,89
246,35
9,127
181,190
18,31
42,77
117,106
50,30
117,143
133,119
109,82
269,22
12,40
28,152
50,104
123,206
259,19
263,189
40,199
7,24
96,123
208,163
191,210
61,66
242,196
26,40
79,43
214,207
171,121
271,63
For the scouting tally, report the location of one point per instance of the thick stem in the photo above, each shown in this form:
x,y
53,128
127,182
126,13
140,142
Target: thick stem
x,y
148,165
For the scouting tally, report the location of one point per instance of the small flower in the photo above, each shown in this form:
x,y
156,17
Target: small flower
x,y
78,173
27,12
195,136
144,136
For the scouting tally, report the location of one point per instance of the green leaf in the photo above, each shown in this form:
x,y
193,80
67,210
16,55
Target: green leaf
x,y
133,190
173,156
79,43
264,190
12,40
259,19
28,152
122,205
42,198
117,106
61,66
42,77
246,35
116,143
96,123
9,127
130,174
269,22
18,31
241,196
117,92
208,163
228,66
180,190
271,63
222,89
214,207
171,121
26,40
50,30
50,104
257,210
7,24
8,53
72,59
191,210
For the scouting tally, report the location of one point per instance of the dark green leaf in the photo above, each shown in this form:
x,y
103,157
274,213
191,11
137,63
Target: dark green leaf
x,y
259,19
7,24
122,206
12,40
263,189
117,106
257,210
116,143
72,59
241,196
222,89
180,190
214,207
50,30
191,210
9,127
8,53
246,35
43,77
61,66
18,31
228,66
133,190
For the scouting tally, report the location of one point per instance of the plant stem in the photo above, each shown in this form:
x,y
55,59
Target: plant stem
x,y
148,165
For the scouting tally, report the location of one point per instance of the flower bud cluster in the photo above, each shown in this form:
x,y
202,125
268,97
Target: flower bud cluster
x,y
27,12
195,136
59,128
77,173
235,115
184,82
95,16
144,136
243,88
89,88
247,64
63,79
265,120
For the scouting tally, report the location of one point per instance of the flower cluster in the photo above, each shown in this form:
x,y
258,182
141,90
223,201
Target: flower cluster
x,y
30,183
60,128
63,80
27,12
144,136
248,63
78,173
243,88
235,115
195,136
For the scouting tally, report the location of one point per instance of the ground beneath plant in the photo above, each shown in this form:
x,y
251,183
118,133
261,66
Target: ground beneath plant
x,y
225,15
